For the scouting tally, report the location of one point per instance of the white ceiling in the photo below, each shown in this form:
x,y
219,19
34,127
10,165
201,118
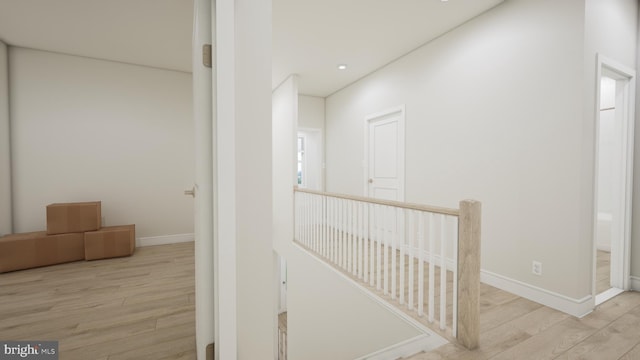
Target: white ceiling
x,y
310,38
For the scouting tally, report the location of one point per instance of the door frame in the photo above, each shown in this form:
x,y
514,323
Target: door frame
x,y
371,118
622,269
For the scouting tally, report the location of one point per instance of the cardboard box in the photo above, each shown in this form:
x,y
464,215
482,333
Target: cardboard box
x,y
74,217
29,250
110,242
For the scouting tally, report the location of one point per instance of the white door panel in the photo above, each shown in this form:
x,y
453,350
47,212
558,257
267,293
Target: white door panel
x,y
385,152
385,170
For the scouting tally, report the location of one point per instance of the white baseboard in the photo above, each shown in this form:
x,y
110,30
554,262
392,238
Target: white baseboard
x,y
608,294
403,349
575,307
635,283
164,240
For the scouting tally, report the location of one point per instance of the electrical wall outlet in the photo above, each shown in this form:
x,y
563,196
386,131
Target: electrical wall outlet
x,y
536,268
102,221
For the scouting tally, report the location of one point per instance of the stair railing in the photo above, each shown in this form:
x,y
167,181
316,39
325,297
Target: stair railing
x,y
408,252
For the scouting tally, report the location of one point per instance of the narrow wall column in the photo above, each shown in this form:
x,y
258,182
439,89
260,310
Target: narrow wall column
x,y
246,305
6,220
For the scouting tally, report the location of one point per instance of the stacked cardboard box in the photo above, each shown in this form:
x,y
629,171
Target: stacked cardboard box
x,y
109,242
74,232
74,217
29,250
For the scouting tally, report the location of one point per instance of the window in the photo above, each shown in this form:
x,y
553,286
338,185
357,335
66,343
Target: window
x,y
301,161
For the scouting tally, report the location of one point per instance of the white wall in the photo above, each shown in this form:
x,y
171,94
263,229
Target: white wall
x,y
284,114
6,222
328,318
483,122
85,129
256,307
311,112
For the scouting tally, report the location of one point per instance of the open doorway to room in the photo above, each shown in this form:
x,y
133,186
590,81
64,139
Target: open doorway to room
x,y
614,172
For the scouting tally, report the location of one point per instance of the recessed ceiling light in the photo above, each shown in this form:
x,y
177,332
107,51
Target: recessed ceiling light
x,y
342,67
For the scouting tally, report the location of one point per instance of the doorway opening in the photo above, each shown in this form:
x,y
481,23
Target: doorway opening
x,y
310,159
613,178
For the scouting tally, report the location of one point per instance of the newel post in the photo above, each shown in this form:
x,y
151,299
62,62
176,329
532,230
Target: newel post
x,y
469,224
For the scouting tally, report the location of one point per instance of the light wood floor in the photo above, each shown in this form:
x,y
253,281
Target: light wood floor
x,y
603,271
142,307
514,328
139,307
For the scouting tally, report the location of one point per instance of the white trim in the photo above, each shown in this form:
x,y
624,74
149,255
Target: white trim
x,y
164,240
635,283
437,339
401,147
621,252
404,349
607,295
575,307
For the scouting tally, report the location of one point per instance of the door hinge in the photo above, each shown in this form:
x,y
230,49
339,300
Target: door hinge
x,y
206,55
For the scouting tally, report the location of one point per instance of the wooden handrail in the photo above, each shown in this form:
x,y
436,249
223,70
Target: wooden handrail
x,y
403,205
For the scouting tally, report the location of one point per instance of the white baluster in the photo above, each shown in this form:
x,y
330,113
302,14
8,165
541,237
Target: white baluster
x,y
432,250
385,232
345,235
355,237
454,323
312,234
393,219
366,241
340,234
325,230
350,234
443,274
361,241
402,245
308,221
412,248
372,245
296,216
317,223
303,218
421,239
334,234
379,230
321,224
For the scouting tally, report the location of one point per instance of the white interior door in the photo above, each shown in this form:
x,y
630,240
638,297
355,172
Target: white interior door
x,y
385,150
385,170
